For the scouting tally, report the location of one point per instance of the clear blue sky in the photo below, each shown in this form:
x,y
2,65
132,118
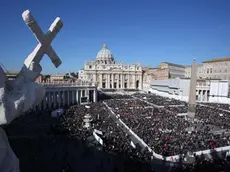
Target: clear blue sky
x,y
146,31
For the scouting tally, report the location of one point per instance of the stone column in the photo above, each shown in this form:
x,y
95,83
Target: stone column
x,y
73,101
55,99
134,81
112,81
94,78
95,95
101,79
106,80
68,97
201,95
79,97
50,99
122,83
140,82
63,98
59,98
77,101
109,80
204,95
129,81
44,102
87,94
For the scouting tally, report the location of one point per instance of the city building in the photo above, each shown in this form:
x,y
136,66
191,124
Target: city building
x,y
206,89
65,94
199,71
57,77
108,74
173,70
217,68
149,74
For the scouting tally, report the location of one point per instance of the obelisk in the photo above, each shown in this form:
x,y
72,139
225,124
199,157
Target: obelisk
x,y
192,92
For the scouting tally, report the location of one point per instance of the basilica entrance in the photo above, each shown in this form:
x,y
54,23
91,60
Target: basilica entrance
x,y
103,85
125,84
137,84
115,85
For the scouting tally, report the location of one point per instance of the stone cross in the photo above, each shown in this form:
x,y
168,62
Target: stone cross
x,y
192,92
44,46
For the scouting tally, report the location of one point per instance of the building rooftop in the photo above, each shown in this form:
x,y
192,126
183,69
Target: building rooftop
x,y
217,60
173,64
59,74
191,65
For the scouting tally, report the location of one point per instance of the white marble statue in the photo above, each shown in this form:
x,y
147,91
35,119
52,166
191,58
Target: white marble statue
x,y
19,95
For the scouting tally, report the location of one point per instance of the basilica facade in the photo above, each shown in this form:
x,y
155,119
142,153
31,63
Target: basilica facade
x,y
108,74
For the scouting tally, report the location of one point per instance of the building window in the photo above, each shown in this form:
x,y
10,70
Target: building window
x,y
90,66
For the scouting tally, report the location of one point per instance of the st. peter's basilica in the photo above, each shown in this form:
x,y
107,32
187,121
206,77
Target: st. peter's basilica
x,y
108,74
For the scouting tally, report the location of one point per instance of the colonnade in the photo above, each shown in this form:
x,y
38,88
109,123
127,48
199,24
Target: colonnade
x,y
203,95
120,81
60,97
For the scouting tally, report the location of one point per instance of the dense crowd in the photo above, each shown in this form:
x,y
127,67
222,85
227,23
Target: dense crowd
x,y
39,140
177,108
166,133
215,164
219,105
159,100
57,140
114,139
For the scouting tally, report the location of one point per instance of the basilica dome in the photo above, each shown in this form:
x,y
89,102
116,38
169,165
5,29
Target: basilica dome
x,y
105,55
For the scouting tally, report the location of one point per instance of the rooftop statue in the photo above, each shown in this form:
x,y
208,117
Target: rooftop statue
x,y
19,95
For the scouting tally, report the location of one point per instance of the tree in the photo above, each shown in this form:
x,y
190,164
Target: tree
x,y
46,77
73,74
169,75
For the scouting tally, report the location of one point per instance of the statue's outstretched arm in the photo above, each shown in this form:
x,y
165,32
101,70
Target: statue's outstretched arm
x,y
16,97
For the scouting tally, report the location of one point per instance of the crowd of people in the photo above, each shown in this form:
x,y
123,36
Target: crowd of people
x,y
65,140
114,138
61,138
159,100
166,133
218,105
